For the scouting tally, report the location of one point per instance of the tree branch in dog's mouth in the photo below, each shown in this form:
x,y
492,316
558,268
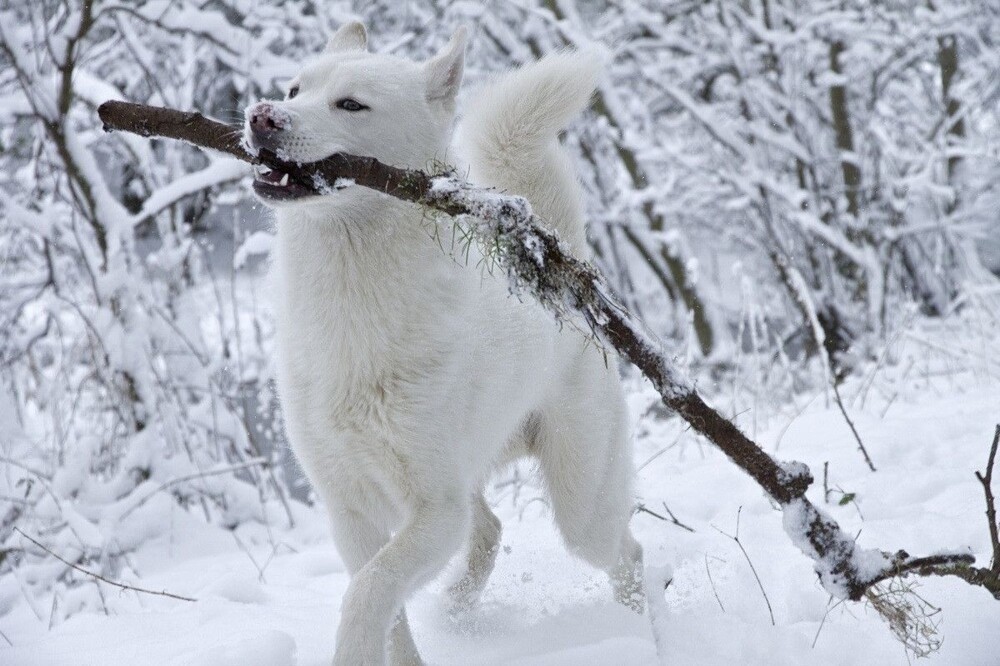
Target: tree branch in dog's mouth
x,y
308,178
537,263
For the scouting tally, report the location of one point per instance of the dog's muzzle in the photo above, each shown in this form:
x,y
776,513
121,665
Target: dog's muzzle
x,y
265,125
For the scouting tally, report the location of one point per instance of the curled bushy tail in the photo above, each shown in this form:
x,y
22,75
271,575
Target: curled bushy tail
x,y
510,136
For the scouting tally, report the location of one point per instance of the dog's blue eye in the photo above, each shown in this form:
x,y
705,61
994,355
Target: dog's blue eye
x,y
293,91
348,104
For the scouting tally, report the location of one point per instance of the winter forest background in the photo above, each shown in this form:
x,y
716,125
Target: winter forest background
x,y
801,196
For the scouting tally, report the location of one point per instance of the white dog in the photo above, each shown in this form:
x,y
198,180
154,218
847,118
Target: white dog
x,y
408,377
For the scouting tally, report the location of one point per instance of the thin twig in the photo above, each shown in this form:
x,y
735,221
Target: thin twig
x,y
253,462
857,437
711,582
672,519
736,538
822,622
123,586
660,452
991,511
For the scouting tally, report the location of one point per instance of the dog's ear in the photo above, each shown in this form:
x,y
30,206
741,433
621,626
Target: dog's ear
x,y
444,70
349,37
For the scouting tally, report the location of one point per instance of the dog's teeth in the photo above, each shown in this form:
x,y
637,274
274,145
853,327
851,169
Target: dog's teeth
x,y
284,179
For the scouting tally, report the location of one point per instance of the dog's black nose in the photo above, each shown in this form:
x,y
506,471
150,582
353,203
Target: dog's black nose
x,y
262,123
265,120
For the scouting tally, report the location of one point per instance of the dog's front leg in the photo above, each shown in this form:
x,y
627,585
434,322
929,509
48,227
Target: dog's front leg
x,y
358,538
432,533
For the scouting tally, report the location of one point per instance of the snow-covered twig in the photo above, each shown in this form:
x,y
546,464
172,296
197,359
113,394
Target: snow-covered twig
x,y
539,264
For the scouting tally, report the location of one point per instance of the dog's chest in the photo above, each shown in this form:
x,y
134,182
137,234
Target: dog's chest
x,y
362,333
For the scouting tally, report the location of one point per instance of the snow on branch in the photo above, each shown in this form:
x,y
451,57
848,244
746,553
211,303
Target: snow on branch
x,y
536,262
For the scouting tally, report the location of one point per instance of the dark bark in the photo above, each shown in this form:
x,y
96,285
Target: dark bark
x,y
991,511
539,264
678,274
845,134
189,126
948,62
79,187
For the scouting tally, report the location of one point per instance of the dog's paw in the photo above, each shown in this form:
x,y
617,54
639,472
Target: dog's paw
x,y
359,653
463,596
408,658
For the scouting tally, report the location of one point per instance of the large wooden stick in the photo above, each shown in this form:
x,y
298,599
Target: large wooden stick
x,y
537,263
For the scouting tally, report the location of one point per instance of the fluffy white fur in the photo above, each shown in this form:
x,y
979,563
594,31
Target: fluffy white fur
x,y
408,377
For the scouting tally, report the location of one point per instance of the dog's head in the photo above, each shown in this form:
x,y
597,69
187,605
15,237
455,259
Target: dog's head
x,y
351,101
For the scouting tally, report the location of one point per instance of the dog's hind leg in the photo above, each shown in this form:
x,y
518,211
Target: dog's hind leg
x,y
429,536
585,456
483,545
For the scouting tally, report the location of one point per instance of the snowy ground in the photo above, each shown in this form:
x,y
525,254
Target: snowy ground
x,y
268,600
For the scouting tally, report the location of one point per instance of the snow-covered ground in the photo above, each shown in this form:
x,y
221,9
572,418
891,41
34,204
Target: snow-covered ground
x,y
273,598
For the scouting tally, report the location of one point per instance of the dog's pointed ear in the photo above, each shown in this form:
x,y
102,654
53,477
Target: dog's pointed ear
x,y
444,70
349,37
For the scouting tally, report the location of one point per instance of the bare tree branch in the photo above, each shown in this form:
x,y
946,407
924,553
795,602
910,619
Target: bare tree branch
x,y
537,263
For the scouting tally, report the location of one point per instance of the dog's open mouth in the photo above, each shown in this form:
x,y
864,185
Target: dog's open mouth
x,y
272,184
